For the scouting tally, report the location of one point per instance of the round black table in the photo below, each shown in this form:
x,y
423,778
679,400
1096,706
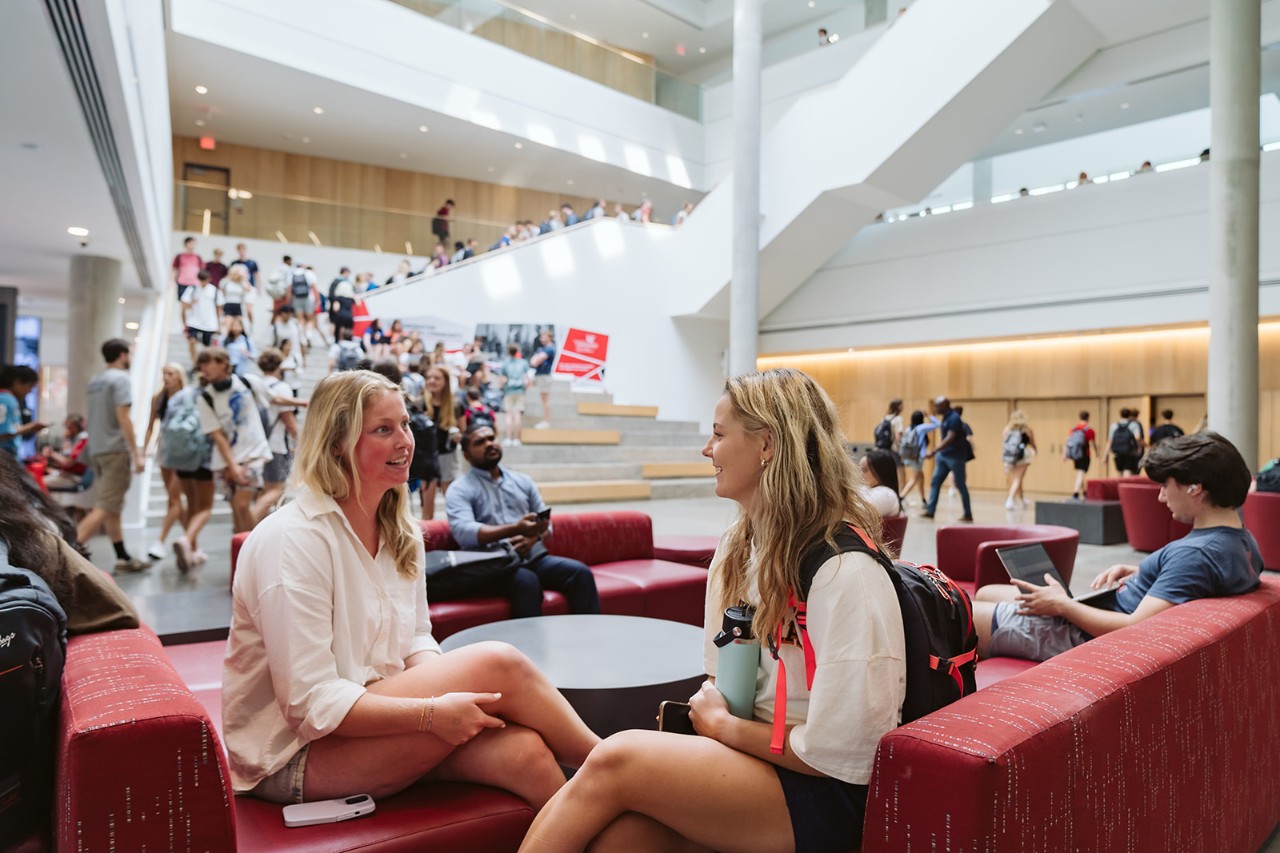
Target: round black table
x,y
614,670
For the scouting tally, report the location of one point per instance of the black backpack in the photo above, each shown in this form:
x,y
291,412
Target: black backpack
x,y
1122,440
425,464
301,288
33,642
1268,479
884,433
937,624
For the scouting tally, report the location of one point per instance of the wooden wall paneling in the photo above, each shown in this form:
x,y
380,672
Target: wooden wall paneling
x,y
987,419
1051,421
1268,429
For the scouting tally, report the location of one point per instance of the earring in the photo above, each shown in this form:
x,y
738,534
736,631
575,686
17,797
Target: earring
x,y
764,463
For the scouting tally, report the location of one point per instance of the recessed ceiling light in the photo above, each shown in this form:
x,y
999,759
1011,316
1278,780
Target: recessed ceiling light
x,y
1125,105
403,156
306,139
1039,127
77,231
812,4
318,110
702,50
120,300
573,17
490,169
519,144
1018,131
199,122
423,128
202,90
644,35
569,182
131,326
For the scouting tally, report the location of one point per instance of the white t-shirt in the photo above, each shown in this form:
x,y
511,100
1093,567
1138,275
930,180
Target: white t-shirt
x,y
232,292
235,412
203,313
278,440
884,500
314,619
855,628
290,331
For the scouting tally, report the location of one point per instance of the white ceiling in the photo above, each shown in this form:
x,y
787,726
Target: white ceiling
x,y
48,168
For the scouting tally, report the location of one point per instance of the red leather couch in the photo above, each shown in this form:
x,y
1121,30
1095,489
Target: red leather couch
x,y
1107,488
619,548
1261,513
1161,736
1147,522
967,552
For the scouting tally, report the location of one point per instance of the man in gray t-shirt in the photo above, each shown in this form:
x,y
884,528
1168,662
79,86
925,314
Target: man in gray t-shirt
x,y
113,451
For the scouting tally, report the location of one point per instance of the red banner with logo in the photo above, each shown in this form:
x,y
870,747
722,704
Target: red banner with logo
x,y
583,355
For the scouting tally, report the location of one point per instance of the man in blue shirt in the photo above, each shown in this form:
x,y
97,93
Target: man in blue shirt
x,y
16,382
490,504
1204,481
542,360
949,458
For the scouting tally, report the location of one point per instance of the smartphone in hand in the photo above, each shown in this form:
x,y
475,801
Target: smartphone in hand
x,y
328,811
674,717
545,515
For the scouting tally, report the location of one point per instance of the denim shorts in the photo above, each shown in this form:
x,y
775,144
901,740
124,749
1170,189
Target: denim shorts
x,y
285,785
826,813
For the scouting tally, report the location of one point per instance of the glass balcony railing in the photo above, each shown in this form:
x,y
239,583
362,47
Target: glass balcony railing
x,y
218,210
537,37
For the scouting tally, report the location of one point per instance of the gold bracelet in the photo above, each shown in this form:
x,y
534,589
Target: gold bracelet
x,y
422,715
431,714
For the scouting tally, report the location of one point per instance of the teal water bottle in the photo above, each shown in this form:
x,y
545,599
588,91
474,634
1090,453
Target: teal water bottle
x,y
738,661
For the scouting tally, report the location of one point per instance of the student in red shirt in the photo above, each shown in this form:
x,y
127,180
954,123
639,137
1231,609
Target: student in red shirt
x,y
186,267
1079,440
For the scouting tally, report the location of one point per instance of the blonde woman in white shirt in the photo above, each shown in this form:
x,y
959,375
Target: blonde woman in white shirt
x,y
333,683
777,450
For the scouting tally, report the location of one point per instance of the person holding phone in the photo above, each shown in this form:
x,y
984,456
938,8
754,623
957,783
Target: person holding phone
x,y
333,684
778,451
490,504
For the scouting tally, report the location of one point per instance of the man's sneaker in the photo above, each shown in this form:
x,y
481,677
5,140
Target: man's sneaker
x,y
157,551
926,515
967,519
182,554
131,565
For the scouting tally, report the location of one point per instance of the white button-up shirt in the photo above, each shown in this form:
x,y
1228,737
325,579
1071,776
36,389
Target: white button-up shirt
x,y
314,618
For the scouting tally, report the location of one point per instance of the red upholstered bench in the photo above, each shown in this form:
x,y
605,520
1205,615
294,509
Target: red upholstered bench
x,y
1107,488
1262,518
967,552
1148,523
690,550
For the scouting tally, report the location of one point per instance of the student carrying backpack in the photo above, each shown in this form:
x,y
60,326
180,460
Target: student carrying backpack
x,y
184,445
937,624
1077,446
350,353
33,642
1122,441
1015,447
300,288
425,463
909,445
884,433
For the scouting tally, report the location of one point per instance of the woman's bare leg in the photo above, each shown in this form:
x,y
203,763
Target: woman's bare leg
x,y
175,512
702,790
429,501
528,698
199,507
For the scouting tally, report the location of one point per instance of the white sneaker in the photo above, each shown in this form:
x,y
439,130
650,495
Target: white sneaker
x,y
541,425
182,554
157,551
1009,504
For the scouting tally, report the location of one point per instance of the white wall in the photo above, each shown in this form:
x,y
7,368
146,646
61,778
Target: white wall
x,y
380,47
1132,253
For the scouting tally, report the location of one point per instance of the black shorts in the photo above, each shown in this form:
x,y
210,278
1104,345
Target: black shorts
x,y
182,290
1082,464
1127,462
233,309
826,814
205,338
201,475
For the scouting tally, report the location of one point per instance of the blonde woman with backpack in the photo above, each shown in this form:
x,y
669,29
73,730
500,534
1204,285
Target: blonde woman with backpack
x,y
1019,448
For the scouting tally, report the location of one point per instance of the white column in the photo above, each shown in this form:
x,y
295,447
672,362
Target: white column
x,y
982,185
95,317
744,289
1234,89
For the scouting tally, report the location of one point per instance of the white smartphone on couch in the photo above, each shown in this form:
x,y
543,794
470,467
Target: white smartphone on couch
x,y
328,811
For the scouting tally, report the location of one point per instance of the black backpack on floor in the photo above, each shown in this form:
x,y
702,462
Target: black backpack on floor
x,y
33,642
937,622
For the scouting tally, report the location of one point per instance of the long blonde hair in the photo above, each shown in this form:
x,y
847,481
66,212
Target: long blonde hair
x,y
335,421
1017,420
807,492
448,416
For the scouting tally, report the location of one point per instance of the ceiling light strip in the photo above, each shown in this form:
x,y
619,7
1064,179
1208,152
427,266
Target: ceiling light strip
x,y
68,27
